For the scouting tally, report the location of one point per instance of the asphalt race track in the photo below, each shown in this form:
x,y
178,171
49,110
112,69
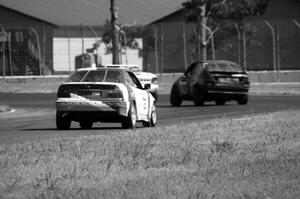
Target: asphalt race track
x,y
34,114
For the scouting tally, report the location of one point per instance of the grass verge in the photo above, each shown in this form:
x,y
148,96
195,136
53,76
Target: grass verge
x,y
249,157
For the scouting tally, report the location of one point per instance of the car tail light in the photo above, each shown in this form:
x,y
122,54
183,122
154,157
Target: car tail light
x,y
210,80
115,94
209,83
245,80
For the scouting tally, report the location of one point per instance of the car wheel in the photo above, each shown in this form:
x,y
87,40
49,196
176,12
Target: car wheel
x,y
63,122
198,97
220,102
86,124
155,95
153,118
243,100
175,99
130,120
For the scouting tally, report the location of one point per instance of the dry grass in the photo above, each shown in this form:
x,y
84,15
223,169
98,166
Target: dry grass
x,y
249,157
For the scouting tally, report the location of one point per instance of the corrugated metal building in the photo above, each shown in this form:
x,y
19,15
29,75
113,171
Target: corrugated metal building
x,y
26,43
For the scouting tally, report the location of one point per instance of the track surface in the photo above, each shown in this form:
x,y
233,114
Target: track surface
x,y
35,114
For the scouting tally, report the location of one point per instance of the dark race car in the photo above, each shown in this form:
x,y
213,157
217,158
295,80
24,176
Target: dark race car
x,y
218,81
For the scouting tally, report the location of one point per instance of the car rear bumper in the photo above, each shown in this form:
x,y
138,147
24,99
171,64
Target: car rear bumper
x,y
224,95
227,92
103,107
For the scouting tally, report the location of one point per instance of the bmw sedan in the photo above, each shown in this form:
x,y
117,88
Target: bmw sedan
x,y
218,81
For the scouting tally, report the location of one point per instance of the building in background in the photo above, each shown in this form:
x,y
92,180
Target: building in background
x,y
64,29
71,42
25,44
44,37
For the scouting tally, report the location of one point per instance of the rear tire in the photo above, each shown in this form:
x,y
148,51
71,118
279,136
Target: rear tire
x,y
86,124
220,102
130,121
175,99
243,100
198,97
63,122
153,118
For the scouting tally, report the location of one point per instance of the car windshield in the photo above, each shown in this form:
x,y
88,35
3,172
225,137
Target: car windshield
x,y
224,67
95,76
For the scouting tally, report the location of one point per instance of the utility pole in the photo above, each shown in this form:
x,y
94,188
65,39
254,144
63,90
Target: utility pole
x,y
115,34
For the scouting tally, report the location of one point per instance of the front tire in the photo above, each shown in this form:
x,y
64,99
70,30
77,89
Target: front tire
x,y
63,122
243,100
220,102
175,99
130,121
155,95
86,124
153,118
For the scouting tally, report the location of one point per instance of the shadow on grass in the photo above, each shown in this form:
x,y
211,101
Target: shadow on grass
x,y
78,129
193,106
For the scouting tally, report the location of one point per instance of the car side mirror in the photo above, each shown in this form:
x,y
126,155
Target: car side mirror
x,y
147,86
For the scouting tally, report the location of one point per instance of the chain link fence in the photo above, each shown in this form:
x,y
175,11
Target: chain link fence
x,y
257,45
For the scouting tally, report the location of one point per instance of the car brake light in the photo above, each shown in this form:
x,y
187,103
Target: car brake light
x,y
210,81
245,80
115,94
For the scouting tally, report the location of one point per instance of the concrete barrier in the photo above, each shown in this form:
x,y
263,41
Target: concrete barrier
x,y
274,76
254,76
48,84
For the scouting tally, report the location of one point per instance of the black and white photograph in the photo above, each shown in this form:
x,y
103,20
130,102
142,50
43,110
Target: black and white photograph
x,y
153,99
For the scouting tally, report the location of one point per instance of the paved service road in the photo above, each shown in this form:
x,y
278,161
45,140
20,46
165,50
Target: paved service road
x,y
35,114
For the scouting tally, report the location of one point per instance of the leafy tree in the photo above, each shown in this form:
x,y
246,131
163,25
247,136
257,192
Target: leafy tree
x,y
131,32
205,11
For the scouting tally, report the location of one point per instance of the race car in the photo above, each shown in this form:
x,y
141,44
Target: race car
x,y
211,80
104,94
144,77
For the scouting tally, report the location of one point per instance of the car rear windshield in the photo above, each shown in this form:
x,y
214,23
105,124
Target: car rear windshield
x,y
224,67
95,76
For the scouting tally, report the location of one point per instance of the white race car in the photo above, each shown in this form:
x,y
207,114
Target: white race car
x,y
144,77
104,95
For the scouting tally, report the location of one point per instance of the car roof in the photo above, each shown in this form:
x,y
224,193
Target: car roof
x,y
216,61
102,68
121,65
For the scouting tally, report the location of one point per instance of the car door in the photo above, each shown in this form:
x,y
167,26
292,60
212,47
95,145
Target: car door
x,y
140,95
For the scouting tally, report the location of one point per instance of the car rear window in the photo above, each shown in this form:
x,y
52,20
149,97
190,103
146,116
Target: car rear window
x,y
77,76
96,76
224,67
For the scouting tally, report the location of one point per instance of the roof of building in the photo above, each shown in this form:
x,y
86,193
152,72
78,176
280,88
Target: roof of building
x,y
93,12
